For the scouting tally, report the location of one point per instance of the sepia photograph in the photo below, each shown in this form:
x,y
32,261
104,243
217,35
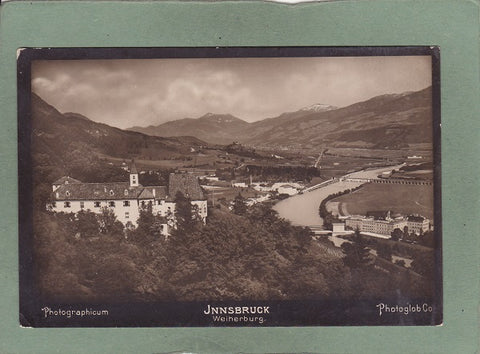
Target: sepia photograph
x,y
290,186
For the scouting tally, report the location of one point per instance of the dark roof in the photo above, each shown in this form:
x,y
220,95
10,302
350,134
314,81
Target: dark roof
x,y
145,194
378,214
185,183
151,192
76,190
66,180
160,191
415,218
133,168
97,191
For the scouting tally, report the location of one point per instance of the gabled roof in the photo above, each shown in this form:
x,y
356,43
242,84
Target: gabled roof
x,y
150,192
145,194
65,180
378,214
185,183
160,191
133,168
72,189
415,218
97,191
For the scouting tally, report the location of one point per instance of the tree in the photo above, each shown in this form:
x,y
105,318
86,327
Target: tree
x,y
262,213
239,205
145,220
396,234
108,222
149,226
409,237
86,224
424,264
329,219
184,216
427,239
357,254
384,251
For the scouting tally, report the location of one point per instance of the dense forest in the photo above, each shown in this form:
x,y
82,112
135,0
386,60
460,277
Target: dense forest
x,y
247,254
282,173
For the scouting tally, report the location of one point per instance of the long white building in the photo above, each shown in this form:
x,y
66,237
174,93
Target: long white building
x,y
126,199
385,226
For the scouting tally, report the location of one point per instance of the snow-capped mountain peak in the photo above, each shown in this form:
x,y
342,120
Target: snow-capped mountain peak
x,y
319,107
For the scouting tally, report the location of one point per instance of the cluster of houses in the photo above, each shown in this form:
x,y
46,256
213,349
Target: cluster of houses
x,y
289,188
126,199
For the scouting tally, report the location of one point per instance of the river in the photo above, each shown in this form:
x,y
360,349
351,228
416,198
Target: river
x,y
302,209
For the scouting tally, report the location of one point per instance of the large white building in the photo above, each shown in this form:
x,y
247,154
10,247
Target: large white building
x,y
126,199
385,225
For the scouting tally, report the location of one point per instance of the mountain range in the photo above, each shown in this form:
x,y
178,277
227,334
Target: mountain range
x,y
389,121
60,138
392,121
214,128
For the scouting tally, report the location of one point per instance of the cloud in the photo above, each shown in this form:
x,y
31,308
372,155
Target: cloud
x,y
209,91
125,93
53,85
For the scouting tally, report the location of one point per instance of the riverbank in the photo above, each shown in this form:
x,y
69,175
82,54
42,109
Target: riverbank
x,y
302,210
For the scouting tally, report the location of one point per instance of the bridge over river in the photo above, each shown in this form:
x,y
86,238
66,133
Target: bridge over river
x,y
390,181
302,209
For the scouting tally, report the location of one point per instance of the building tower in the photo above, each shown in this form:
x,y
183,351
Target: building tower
x,y
133,175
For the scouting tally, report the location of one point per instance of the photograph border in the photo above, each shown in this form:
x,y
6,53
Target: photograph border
x,y
173,314
453,25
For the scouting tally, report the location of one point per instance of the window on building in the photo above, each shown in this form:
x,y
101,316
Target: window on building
x,y
126,203
67,193
111,192
143,203
125,192
96,204
66,204
127,215
111,204
82,205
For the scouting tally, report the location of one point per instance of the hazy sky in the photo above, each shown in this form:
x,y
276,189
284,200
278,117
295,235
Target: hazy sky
x,y
125,93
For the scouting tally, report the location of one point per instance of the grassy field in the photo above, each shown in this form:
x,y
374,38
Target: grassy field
x,y
404,199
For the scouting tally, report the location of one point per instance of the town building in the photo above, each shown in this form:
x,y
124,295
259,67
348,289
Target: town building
x,y
126,199
417,224
382,223
289,188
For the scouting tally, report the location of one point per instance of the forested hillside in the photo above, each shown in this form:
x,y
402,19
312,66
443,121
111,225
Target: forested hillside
x,y
234,257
